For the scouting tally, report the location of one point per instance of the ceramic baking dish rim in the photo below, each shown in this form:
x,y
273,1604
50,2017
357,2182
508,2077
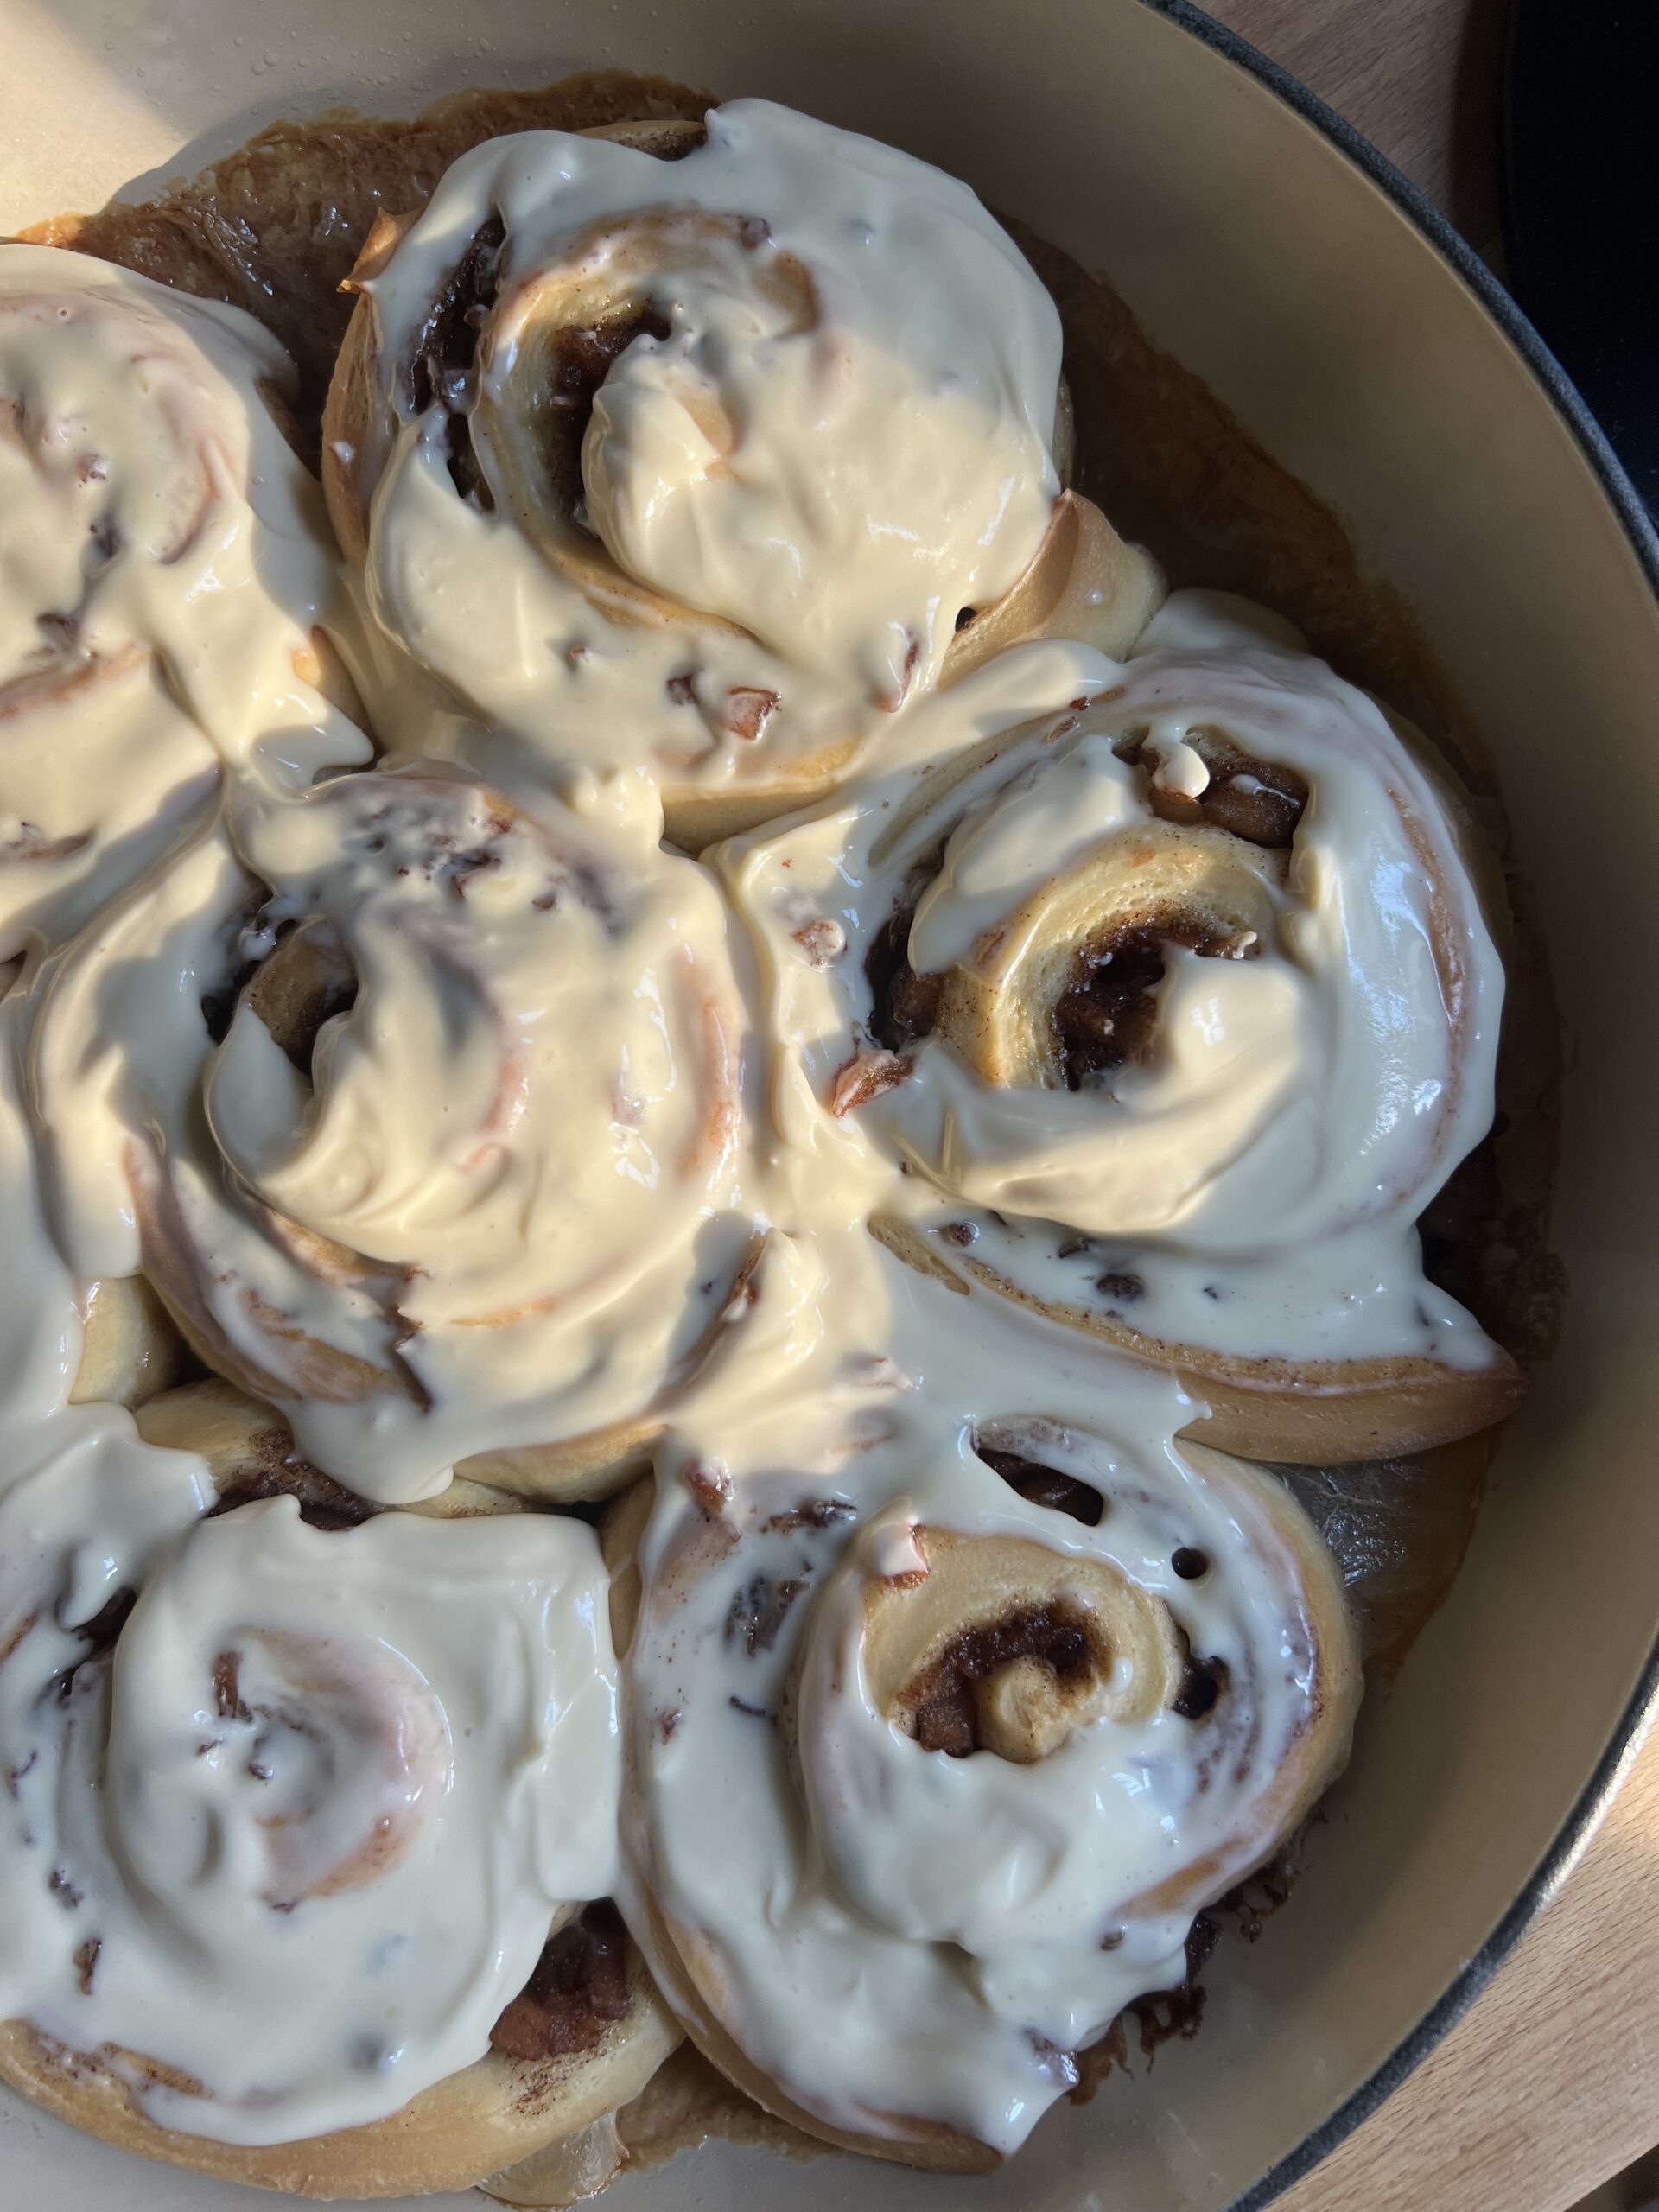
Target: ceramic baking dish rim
x,y
1619,1755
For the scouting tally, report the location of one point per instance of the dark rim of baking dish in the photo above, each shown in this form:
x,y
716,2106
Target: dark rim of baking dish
x,y
1575,1833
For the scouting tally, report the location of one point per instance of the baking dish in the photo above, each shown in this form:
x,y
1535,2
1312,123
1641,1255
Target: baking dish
x,y
1278,259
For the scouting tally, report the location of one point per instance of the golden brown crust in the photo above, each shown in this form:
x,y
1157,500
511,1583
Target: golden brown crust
x,y
684,1967
490,2116
685,2102
1320,1413
1086,584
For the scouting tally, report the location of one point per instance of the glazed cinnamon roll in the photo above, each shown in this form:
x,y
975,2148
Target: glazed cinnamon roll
x,y
382,1976
422,1113
986,1709
1164,1015
168,600
710,469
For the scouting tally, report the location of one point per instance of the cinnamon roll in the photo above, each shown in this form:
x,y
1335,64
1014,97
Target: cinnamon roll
x,y
986,1709
168,600
422,1113
381,1975
1164,1014
709,469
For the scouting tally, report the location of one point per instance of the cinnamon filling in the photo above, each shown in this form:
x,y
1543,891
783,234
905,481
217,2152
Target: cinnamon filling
x,y
1201,1684
940,1705
1253,799
759,1610
1105,1019
582,361
442,365
1107,1016
580,1988
324,1504
905,1005
227,1687
1046,1486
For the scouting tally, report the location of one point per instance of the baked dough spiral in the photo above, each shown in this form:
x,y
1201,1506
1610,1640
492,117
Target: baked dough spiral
x,y
983,1758
129,1350
701,469
1177,1006
334,1828
169,598
426,1113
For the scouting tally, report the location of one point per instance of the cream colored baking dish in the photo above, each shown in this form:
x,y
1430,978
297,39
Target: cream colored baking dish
x,y
1276,255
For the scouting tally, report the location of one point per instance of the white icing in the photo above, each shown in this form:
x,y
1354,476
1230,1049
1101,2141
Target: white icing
x,y
316,1869
839,481
162,562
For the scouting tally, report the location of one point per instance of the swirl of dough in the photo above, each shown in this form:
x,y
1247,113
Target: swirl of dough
x,y
427,1113
714,459
1183,1004
167,586
985,1718
285,1840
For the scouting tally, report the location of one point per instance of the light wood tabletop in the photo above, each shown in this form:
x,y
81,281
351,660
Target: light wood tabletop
x,y
1549,2084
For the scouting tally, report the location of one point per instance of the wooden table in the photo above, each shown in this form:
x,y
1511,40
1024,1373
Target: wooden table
x,y
1550,2082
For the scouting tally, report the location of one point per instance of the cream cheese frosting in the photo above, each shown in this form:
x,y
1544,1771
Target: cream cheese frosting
x,y
835,435
167,592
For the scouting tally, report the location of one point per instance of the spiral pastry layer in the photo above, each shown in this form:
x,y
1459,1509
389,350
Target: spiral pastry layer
x,y
168,598
422,1116
701,468
985,1707
1176,1007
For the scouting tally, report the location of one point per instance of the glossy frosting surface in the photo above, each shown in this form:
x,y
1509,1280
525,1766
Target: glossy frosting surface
x,y
455,1112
